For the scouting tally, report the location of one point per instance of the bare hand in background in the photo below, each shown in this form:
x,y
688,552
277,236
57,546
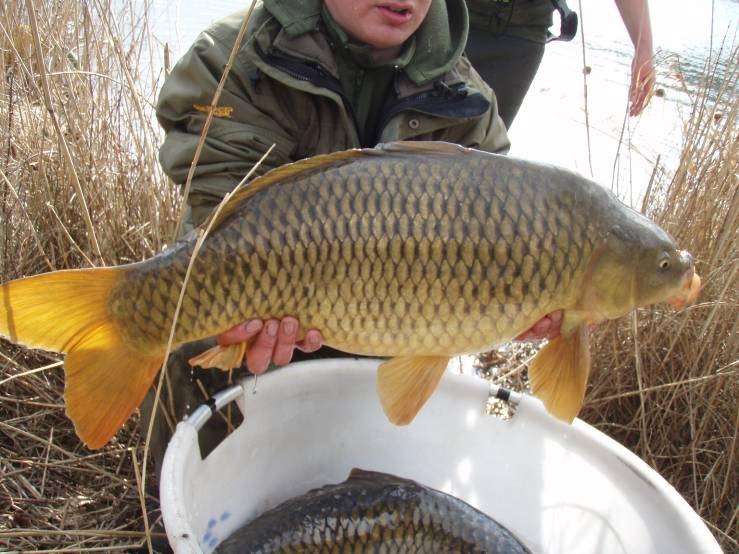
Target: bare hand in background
x,y
635,15
643,78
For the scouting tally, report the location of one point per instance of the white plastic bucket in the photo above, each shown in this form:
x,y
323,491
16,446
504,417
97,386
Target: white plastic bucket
x,y
562,489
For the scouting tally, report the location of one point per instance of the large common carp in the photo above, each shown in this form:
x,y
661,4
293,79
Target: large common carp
x,y
373,512
414,251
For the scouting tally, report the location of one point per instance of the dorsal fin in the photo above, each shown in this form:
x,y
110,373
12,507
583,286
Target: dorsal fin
x,y
278,175
357,474
283,173
423,147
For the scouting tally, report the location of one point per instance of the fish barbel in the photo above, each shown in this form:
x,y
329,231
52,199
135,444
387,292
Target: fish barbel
x,y
373,512
414,251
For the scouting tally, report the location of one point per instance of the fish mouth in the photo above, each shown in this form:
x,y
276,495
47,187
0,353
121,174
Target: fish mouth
x,y
689,291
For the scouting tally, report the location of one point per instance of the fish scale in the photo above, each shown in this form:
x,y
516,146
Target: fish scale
x,y
373,513
393,258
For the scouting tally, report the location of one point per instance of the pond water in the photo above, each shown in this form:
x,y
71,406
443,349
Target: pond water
x,y
551,126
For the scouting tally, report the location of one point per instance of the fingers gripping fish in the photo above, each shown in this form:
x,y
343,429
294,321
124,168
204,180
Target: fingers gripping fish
x,y
414,251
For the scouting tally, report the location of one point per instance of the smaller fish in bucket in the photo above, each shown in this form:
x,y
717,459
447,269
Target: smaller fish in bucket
x,y
414,251
373,512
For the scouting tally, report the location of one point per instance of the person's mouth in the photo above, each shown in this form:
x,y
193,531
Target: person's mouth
x,y
395,13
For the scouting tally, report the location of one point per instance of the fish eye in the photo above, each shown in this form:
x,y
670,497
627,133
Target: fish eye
x,y
664,263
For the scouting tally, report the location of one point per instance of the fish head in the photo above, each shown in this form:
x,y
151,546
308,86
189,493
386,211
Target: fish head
x,y
666,275
640,265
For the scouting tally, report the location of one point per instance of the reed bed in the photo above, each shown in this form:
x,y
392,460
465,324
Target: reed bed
x,y
80,185
80,180
667,383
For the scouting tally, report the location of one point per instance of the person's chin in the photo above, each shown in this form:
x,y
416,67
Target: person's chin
x,y
384,37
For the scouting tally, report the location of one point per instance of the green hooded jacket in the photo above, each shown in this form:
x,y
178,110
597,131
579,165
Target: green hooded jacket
x,y
285,88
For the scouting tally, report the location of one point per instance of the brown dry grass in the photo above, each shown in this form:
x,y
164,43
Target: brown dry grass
x,y
78,139
82,129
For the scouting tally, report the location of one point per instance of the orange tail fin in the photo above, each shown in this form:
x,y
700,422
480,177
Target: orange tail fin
x,y
67,311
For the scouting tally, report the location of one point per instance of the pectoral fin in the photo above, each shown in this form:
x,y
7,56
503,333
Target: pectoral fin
x,y
221,357
559,373
404,385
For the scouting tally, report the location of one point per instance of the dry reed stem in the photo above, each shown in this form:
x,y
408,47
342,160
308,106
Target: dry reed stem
x,y
202,235
62,140
585,85
140,485
198,244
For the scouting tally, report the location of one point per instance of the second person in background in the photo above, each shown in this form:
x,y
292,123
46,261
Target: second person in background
x,y
507,40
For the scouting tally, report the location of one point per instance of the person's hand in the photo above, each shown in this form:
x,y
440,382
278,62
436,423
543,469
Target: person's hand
x,y
546,328
275,341
643,78
635,15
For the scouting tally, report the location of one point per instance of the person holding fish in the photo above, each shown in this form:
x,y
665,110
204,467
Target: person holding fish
x,y
415,250
315,77
373,49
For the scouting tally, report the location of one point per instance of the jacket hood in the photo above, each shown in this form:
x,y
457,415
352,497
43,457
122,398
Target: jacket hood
x,y
440,40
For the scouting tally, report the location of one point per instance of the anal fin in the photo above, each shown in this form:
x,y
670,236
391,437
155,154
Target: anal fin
x,y
404,384
559,373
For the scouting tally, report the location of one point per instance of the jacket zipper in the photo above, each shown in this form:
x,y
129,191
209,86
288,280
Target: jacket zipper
x,y
421,99
314,74
317,75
